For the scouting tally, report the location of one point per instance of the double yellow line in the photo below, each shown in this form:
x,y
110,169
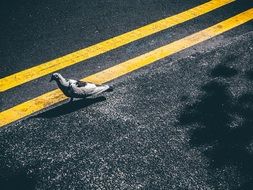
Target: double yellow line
x,y
105,46
53,97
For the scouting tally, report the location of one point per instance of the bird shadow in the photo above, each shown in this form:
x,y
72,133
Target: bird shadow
x,y
70,107
224,124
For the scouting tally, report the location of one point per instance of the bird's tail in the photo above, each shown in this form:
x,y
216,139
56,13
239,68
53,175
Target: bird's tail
x,y
103,88
110,89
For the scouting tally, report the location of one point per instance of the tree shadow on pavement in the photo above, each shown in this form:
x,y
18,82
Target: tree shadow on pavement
x,y
225,125
250,75
70,107
17,181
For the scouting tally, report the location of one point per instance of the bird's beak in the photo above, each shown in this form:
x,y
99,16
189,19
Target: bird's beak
x,y
51,79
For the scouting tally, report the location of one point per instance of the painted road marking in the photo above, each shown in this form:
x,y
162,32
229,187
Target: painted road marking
x,y
44,101
107,45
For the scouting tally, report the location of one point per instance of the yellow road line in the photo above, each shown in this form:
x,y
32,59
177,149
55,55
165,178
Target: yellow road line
x,y
107,45
34,105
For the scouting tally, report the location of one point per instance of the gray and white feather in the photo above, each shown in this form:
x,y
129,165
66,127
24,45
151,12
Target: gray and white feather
x,y
78,89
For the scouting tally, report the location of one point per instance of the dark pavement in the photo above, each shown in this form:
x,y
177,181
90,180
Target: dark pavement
x,y
184,122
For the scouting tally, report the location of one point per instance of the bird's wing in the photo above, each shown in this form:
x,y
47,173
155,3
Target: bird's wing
x,y
81,83
95,89
88,90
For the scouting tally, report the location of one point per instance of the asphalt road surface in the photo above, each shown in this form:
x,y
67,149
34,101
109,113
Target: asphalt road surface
x,y
182,122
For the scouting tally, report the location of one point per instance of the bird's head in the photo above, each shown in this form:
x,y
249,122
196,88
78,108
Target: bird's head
x,y
55,77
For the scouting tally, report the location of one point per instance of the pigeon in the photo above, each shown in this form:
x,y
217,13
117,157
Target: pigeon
x,y
78,89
